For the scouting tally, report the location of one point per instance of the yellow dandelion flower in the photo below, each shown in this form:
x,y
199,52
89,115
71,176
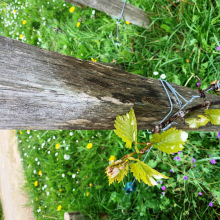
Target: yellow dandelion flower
x,y
20,132
87,194
90,184
72,9
89,145
93,60
196,45
57,146
59,207
43,194
39,173
35,183
28,130
14,11
39,207
127,22
174,205
60,190
187,61
78,24
24,22
57,159
36,199
112,158
86,176
78,170
21,36
4,10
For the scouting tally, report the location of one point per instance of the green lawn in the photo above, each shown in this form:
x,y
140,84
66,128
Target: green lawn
x,y
183,42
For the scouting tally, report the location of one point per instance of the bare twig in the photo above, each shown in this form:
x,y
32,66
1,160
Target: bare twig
x,y
181,113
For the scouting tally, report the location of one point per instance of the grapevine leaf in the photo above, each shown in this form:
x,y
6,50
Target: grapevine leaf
x,y
144,172
196,123
213,115
116,173
170,141
126,128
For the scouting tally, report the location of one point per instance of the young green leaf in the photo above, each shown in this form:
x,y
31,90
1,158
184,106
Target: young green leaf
x,y
116,171
213,115
126,128
144,172
170,141
196,123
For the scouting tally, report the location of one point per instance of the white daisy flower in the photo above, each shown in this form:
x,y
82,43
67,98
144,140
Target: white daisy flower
x,y
155,73
163,76
66,157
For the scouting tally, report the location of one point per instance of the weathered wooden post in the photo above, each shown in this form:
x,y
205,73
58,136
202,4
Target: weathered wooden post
x,y
74,216
79,216
44,90
131,13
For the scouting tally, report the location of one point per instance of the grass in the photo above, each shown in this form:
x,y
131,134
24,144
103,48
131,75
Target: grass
x,y
80,183
182,43
1,212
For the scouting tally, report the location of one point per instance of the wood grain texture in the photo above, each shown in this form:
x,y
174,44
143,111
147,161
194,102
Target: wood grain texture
x,y
131,13
45,90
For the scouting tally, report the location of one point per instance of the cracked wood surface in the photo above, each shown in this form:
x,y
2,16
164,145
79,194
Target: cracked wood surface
x,y
45,90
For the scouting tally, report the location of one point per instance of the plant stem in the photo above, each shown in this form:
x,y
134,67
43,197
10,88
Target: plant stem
x,y
144,143
133,153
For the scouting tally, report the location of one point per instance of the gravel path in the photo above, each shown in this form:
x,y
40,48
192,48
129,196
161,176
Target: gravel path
x,y
12,179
